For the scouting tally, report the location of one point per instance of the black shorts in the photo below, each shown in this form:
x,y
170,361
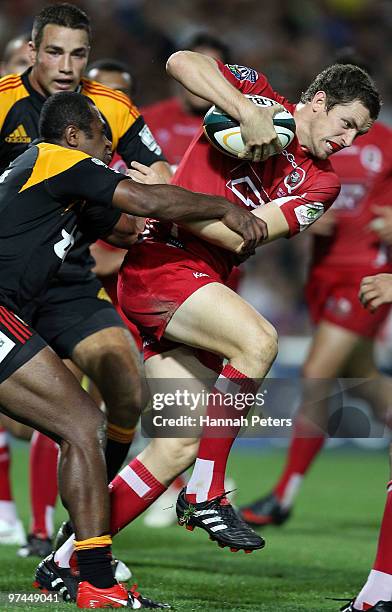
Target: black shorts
x,y
69,313
18,343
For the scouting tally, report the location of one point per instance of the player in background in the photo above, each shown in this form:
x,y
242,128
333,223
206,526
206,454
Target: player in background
x,y
17,56
376,594
192,320
351,241
73,317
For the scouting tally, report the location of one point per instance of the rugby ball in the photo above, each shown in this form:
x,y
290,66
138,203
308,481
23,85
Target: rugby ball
x,y
224,132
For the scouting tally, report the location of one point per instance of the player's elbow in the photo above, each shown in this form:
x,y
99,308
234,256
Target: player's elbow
x,y
176,63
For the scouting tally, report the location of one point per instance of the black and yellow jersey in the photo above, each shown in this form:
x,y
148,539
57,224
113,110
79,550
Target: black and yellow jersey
x,y
44,194
20,107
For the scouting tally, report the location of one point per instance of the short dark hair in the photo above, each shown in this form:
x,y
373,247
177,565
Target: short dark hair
x,y
63,109
65,15
205,39
344,83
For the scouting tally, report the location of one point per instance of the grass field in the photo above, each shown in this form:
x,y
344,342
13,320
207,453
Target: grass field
x,y
324,551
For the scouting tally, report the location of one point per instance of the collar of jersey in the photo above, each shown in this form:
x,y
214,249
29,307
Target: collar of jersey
x,y
36,98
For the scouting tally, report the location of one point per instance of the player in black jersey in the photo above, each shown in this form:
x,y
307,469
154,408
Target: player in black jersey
x,y
55,186
71,316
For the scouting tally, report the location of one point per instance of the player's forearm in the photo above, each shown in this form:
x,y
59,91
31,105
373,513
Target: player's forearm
x,y
217,233
201,76
168,202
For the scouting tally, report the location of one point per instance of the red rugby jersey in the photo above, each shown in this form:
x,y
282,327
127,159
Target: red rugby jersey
x,y
304,187
365,171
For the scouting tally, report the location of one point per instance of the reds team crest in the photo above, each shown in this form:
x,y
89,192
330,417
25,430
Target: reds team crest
x,y
294,179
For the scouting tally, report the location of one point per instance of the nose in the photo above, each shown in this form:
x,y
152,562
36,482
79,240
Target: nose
x,y
66,63
108,143
348,138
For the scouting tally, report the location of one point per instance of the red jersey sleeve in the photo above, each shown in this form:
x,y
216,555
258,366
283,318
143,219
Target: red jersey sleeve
x,y
249,81
303,209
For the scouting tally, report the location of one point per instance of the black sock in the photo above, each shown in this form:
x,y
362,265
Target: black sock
x,y
115,455
95,566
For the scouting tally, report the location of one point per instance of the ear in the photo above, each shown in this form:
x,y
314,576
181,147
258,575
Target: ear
x,y
319,102
72,136
33,52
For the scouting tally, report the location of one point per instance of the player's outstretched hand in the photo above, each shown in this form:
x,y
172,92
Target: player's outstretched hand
x,y
252,229
144,174
258,132
375,291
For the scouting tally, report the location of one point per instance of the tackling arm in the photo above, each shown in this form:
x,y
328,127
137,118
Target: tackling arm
x,y
172,203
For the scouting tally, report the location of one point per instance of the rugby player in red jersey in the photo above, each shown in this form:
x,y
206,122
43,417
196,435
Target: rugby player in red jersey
x,y
376,594
189,318
346,247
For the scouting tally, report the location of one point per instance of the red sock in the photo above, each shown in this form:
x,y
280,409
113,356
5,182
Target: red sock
x,y
5,464
303,450
132,491
383,562
43,483
208,476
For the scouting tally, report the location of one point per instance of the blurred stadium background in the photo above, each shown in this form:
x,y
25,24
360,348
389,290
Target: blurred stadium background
x,y
289,40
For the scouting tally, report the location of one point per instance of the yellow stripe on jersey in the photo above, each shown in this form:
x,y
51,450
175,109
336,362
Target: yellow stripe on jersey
x,y
52,160
11,91
116,107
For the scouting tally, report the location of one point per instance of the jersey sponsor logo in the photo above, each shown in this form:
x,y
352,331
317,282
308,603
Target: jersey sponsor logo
x,y
294,179
6,345
200,274
371,158
18,136
62,247
246,191
308,213
99,162
149,141
243,73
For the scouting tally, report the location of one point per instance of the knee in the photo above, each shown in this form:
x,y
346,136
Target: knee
x,y
262,344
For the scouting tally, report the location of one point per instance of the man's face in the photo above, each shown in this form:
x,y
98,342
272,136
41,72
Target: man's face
x,y
112,78
19,60
333,130
60,60
98,145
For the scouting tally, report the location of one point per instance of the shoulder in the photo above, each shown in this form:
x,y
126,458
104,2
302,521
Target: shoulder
x,y
105,97
12,89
